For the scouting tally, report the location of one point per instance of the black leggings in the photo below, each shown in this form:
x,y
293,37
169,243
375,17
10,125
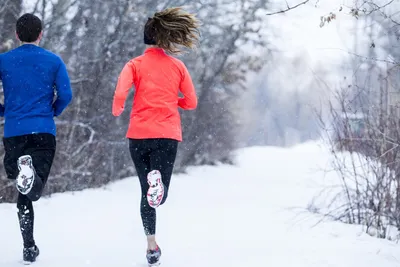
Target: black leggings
x,y
148,155
41,147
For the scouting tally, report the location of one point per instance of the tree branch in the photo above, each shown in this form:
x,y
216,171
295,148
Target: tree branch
x,y
288,8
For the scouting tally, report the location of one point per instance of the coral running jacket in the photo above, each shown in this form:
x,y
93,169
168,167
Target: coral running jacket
x,y
158,78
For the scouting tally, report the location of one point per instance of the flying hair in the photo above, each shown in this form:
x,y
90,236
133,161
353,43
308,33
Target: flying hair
x,y
171,29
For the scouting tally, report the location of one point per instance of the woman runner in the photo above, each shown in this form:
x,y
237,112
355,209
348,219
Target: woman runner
x,y
155,125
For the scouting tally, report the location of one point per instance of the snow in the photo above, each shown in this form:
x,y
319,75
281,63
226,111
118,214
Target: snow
x,y
251,214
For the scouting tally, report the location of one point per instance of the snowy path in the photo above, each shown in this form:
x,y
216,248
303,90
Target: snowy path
x,y
249,215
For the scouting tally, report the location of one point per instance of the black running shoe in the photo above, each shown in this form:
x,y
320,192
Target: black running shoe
x,y
30,254
153,257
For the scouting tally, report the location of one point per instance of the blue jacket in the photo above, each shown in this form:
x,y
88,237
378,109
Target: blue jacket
x,y
36,89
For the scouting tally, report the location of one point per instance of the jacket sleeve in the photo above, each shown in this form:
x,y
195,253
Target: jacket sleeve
x,y
125,83
63,89
189,99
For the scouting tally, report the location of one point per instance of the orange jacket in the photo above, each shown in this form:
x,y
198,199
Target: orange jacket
x,y
158,78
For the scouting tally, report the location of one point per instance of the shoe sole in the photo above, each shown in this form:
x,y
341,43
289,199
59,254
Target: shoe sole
x,y
21,178
154,178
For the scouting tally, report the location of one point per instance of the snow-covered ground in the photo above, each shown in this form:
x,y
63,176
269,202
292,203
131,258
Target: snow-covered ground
x,y
253,214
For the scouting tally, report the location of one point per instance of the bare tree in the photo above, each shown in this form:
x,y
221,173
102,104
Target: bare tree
x,y
365,149
9,13
211,129
358,9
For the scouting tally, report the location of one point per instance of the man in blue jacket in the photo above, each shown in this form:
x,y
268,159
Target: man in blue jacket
x,y
36,89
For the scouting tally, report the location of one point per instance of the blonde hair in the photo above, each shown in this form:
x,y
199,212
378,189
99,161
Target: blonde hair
x,y
171,28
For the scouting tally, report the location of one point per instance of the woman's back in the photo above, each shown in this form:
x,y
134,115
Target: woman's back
x,y
157,81
158,78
